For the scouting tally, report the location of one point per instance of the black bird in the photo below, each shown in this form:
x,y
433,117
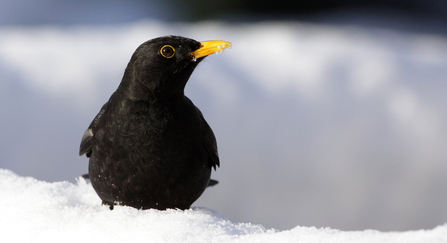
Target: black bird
x,y
149,145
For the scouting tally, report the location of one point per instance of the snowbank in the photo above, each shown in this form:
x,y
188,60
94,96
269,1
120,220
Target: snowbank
x,y
38,211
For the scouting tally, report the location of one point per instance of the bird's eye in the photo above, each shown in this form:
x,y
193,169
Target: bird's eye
x,y
167,51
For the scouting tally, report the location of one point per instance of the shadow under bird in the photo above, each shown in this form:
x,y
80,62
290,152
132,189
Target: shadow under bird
x,y
149,145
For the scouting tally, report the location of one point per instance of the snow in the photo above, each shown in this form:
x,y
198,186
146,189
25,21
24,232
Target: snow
x,y
38,211
317,125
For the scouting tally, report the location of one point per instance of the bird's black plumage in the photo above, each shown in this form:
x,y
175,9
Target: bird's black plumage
x,y
149,146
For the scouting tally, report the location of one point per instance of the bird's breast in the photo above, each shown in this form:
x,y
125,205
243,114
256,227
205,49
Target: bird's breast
x,y
152,135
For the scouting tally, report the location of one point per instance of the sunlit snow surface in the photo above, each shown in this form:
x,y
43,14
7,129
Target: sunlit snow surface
x,y
38,211
317,125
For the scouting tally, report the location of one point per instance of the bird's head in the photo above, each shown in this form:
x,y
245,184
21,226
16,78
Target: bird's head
x,y
163,65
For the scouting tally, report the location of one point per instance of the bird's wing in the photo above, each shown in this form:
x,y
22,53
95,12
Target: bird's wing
x,y
210,144
211,148
86,142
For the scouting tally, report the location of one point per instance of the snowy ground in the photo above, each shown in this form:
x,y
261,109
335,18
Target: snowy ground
x,y
326,126
38,211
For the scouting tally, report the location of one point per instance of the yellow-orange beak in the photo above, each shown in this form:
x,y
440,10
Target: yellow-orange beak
x,y
210,47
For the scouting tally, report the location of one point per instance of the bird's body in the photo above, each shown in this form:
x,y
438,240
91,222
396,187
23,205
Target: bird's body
x,y
149,146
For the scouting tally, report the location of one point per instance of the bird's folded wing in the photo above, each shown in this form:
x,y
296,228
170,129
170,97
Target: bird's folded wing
x,y
86,141
211,147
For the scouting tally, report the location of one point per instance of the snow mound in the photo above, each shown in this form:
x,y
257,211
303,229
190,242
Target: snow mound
x,y
36,211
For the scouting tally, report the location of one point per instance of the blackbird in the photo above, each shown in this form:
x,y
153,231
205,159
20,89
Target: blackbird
x,y
149,146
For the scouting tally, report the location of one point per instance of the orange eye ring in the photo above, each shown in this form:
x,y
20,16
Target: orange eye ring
x,y
167,51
